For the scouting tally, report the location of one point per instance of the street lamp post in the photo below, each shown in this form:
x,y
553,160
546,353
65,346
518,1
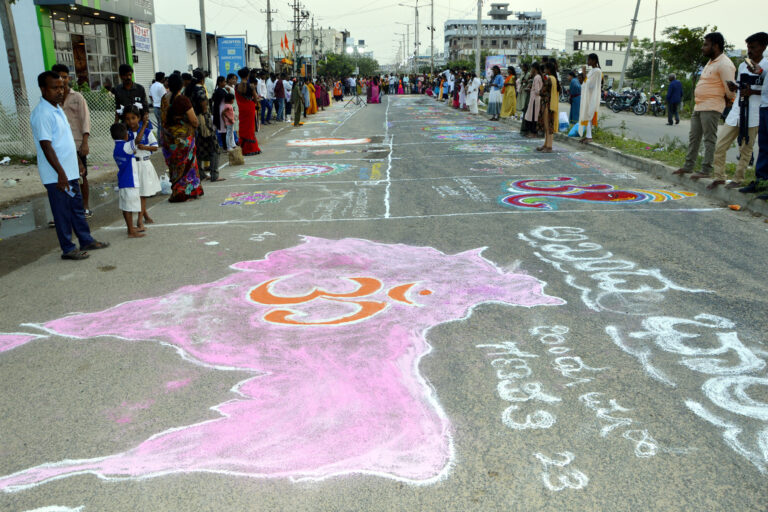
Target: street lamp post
x,y
415,32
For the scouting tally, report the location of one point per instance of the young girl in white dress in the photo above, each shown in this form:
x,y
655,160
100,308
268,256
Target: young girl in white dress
x,y
146,144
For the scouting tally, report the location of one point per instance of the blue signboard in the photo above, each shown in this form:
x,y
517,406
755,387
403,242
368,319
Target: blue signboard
x,y
231,54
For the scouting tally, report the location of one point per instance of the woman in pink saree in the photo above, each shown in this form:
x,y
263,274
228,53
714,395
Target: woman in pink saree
x,y
373,91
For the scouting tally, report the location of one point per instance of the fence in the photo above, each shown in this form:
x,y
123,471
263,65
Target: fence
x,y
15,133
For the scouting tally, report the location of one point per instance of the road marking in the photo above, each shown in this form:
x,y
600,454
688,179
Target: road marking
x,y
434,215
373,181
387,180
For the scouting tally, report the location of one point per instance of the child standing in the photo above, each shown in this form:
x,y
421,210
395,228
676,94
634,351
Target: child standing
x,y
207,147
146,144
228,118
127,176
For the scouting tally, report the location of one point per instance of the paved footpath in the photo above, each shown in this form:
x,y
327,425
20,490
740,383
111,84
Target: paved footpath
x,y
397,308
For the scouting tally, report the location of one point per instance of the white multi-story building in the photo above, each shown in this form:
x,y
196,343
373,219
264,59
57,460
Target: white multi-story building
x,y
327,40
525,35
610,49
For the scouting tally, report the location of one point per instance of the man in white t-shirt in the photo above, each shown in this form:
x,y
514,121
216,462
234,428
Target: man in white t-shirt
x,y
156,93
392,84
730,130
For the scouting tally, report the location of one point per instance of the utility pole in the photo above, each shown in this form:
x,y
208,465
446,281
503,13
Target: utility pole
x,y
432,37
629,46
478,45
407,41
416,38
312,34
653,58
203,38
299,15
270,57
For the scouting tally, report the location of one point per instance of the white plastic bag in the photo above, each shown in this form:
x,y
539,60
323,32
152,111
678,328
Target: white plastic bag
x,y
563,122
165,185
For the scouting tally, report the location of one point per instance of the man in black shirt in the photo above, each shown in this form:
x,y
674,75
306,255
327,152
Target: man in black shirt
x,y
128,92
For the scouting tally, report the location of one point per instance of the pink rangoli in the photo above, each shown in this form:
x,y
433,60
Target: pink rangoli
x,y
333,331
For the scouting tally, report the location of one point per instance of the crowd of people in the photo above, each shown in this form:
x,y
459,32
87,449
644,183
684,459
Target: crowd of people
x,y
720,82
192,119
533,97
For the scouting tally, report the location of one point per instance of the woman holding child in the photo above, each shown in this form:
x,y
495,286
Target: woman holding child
x,y
179,125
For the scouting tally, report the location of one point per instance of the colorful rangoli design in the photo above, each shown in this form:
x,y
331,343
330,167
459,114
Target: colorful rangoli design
x,y
494,149
287,172
328,141
526,194
251,198
466,136
461,128
321,152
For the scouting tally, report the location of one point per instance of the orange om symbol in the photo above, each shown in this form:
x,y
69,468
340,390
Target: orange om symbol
x,y
367,308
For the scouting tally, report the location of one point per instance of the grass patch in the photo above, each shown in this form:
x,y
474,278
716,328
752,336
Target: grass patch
x,y
669,151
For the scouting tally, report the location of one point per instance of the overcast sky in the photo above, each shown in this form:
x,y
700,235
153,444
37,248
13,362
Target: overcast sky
x,y
376,23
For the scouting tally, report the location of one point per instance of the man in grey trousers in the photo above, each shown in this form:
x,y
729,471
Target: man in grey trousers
x,y
715,84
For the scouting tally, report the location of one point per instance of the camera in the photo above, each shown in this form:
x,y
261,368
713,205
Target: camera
x,y
747,80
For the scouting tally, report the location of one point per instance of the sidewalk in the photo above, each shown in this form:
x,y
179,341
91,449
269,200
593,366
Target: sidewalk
x,y
647,128
28,184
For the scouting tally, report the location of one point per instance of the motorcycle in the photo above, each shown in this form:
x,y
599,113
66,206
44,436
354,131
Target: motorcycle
x,y
631,100
657,106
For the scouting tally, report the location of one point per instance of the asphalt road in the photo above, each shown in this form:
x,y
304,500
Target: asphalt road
x,y
398,320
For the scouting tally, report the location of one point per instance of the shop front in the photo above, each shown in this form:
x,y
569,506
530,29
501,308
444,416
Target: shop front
x,y
93,37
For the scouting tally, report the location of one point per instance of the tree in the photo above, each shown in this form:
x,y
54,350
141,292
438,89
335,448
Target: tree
x,y
682,49
367,66
573,61
336,65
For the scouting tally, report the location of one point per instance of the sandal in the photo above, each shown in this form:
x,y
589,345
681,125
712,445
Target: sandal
x,y
95,245
75,255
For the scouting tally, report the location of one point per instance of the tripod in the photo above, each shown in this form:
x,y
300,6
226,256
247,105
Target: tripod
x,y
356,99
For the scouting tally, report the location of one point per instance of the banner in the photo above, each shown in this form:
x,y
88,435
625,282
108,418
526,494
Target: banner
x,y
495,60
231,54
142,40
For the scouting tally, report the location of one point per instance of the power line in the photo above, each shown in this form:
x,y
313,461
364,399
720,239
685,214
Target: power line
x,y
662,16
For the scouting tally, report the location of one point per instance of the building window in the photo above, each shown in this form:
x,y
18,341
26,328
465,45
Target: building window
x,y
493,42
92,48
609,62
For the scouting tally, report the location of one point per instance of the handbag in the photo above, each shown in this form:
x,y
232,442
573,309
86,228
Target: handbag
x,y
236,156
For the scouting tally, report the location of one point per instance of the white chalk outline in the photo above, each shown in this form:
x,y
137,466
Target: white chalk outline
x,y
236,222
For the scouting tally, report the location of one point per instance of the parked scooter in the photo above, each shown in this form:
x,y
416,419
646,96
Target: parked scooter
x,y
631,100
